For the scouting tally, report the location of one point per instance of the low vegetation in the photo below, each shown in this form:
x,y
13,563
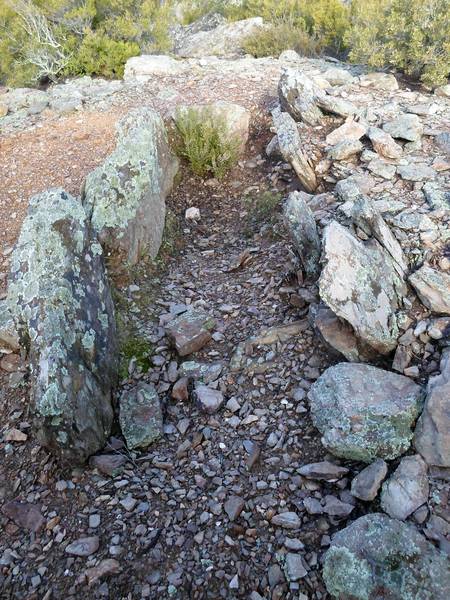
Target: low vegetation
x,y
48,39
202,139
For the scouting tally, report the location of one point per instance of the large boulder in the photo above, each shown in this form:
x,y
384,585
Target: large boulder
x,y
364,412
432,435
225,40
302,226
290,145
360,283
125,196
59,297
376,558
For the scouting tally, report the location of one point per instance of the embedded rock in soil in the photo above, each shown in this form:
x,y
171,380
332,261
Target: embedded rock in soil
x,y
364,412
125,196
287,520
416,172
225,40
302,226
190,331
109,464
25,515
379,81
360,284
378,557
297,96
61,303
406,489
291,149
84,546
236,119
406,127
433,288
9,338
432,434
366,484
437,196
141,417
208,399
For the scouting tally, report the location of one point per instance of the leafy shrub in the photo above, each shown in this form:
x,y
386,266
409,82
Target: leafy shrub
x,y
203,140
274,39
411,35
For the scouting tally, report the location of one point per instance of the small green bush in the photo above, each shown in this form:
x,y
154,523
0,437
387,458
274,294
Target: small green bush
x,y
275,39
203,140
411,35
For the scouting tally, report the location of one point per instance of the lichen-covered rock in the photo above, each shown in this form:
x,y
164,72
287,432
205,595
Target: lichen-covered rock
x,y
432,435
9,338
351,130
433,288
406,127
291,148
141,417
125,196
302,226
61,303
364,412
360,284
376,558
297,94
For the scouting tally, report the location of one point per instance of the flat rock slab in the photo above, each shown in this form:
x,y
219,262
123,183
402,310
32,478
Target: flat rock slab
x,y
208,399
84,546
406,489
324,470
190,331
379,557
364,412
366,484
141,417
25,515
433,288
302,227
407,127
287,520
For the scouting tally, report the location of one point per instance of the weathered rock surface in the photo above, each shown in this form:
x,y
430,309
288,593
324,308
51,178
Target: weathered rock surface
x,y
143,68
378,557
345,149
350,131
406,127
302,226
366,484
364,412
383,143
224,40
416,172
432,434
190,331
9,338
433,288
379,81
350,286
24,514
208,399
291,148
141,417
297,93
437,196
84,546
125,196
287,520
324,470
406,489
61,303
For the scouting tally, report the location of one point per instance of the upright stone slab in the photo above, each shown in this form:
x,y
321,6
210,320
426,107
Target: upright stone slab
x,y
61,303
302,226
125,196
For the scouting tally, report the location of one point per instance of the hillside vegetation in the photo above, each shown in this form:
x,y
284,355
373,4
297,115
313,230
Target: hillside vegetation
x,y
49,39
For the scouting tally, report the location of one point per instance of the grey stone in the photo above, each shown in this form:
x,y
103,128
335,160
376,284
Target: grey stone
x,y
335,105
416,172
406,127
406,489
125,196
233,507
84,546
433,288
377,557
366,484
287,520
140,418
24,514
109,464
143,68
9,338
336,508
364,412
208,399
345,149
432,434
61,303
324,470
206,373
350,286
291,148
338,76
295,567
437,196
297,94
302,226
379,81
442,140
382,169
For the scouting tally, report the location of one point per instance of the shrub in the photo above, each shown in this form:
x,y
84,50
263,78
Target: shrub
x,y
411,35
203,140
274,39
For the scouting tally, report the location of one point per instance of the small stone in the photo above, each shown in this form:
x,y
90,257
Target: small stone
x,y
337,508
433,288
233,507
140,416
84,546
192,214
180,390
345,149
407,127
190,331
325,471
129,503
287,520
295,568
108,566
208,399
109,464
94,521
15,435
366,484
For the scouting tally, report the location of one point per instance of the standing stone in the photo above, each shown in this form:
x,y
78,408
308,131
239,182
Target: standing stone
x,y
433,288
432,435
141,417
302,226
291,149
406,489
297,96
364,412
60,299
125,196
366,484
376,558
360,284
